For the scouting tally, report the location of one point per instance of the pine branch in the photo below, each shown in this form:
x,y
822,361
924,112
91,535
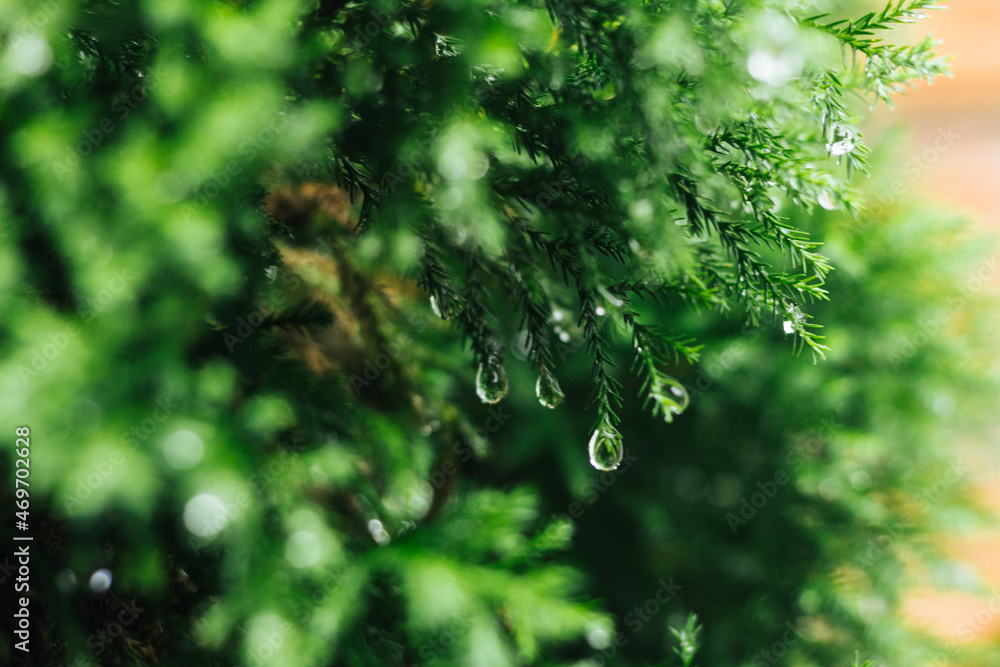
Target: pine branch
x,y
755,284
887,68
606,394
475,317
436,280
305,316
826,95
535,305
688,640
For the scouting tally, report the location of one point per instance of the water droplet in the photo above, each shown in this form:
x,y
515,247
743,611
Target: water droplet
x,y
558,315
605,449
599,311
443,308
845,139
842,147
789,326
681,394
548,391
491,381
564,337
671,398
825,199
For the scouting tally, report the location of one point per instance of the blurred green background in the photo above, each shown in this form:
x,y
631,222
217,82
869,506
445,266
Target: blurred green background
x,y
253,442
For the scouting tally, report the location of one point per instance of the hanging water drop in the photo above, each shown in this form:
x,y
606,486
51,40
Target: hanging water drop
x,y
842,147
671,398
491,381
605,449
825,199
548,391
845,139
436,308
680,395
444,306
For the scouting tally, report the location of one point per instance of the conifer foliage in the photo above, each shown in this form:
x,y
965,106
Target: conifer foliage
x,y
259,256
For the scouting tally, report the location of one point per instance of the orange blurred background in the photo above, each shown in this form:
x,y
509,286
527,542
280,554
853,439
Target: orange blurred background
x,y
963,177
